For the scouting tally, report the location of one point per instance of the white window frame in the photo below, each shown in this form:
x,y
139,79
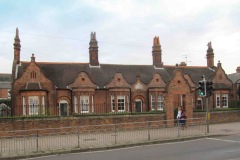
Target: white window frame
x,y
225,100
113,103
33,102
160,104
75,104
218,100
84,103
152,102
43,104
199,99
121,103
24,105
92,104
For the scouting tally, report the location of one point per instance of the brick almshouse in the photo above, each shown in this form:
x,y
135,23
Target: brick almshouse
x,y
73,88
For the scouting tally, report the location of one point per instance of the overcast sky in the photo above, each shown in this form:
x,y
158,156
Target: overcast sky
x,y
59,31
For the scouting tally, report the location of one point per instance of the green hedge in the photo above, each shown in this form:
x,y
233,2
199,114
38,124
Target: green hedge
x,y
8,102
234,104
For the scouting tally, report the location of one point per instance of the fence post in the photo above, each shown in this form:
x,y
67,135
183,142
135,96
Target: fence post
x,y
178,124
115,130
78,137
1,147
148,126
205,126
37,140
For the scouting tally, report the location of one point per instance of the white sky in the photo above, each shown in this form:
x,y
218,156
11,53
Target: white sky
x,y
59,30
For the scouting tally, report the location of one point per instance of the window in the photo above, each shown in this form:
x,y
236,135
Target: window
x,y
43,105
157,101
238,90
75,104
160,102
217,100
113,103
84,101
33,105
225,101
24,106
92,104
199,104
121,103
152,102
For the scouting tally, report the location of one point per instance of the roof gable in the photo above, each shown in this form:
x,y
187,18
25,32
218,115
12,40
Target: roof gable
x,y
221,80
118,81
82,81
64,74
157,81
178,85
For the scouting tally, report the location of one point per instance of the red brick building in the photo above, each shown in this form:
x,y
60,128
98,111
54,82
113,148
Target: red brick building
x,y
235,78
5,86
93,87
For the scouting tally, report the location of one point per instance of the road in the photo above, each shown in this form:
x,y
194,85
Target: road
x,y
218,148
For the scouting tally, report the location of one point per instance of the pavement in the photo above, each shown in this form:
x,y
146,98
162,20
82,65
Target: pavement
x,y
214,130
224,128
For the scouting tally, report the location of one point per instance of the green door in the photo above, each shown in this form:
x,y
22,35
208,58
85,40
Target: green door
x,y
63,109
138,105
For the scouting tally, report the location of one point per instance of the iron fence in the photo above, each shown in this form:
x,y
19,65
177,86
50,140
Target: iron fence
x,y
54,140
38,111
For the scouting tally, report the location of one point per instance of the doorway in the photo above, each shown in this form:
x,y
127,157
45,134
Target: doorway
x,y
179,100
63,106
138,105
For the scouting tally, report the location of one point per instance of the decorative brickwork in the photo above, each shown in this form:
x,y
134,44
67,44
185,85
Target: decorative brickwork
x,y
76,88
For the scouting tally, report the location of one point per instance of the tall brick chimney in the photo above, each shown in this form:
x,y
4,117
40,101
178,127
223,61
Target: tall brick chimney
x,y
238,69
17,47
157,53
93,50
210,55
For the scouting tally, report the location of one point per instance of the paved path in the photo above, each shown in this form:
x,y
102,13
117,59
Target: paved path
x,y
224,128
42,142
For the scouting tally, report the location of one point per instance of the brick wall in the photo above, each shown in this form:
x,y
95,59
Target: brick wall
x,y
3,93
220,116
43,123
7,125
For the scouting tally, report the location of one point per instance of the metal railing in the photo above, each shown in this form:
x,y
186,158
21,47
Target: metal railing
x,y
41,111
54,140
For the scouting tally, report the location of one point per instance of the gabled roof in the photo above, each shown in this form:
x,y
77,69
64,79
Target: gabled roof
x,y
220,86
5,85
5,81
63,74
234,77
32,86
5,77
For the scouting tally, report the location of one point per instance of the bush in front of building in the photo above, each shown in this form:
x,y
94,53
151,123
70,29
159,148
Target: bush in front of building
x,y
234,104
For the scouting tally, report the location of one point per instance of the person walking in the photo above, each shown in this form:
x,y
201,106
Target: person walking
x,y
179,115
183,119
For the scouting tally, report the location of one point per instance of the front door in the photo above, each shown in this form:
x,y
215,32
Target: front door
x,y
138,105
63,108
